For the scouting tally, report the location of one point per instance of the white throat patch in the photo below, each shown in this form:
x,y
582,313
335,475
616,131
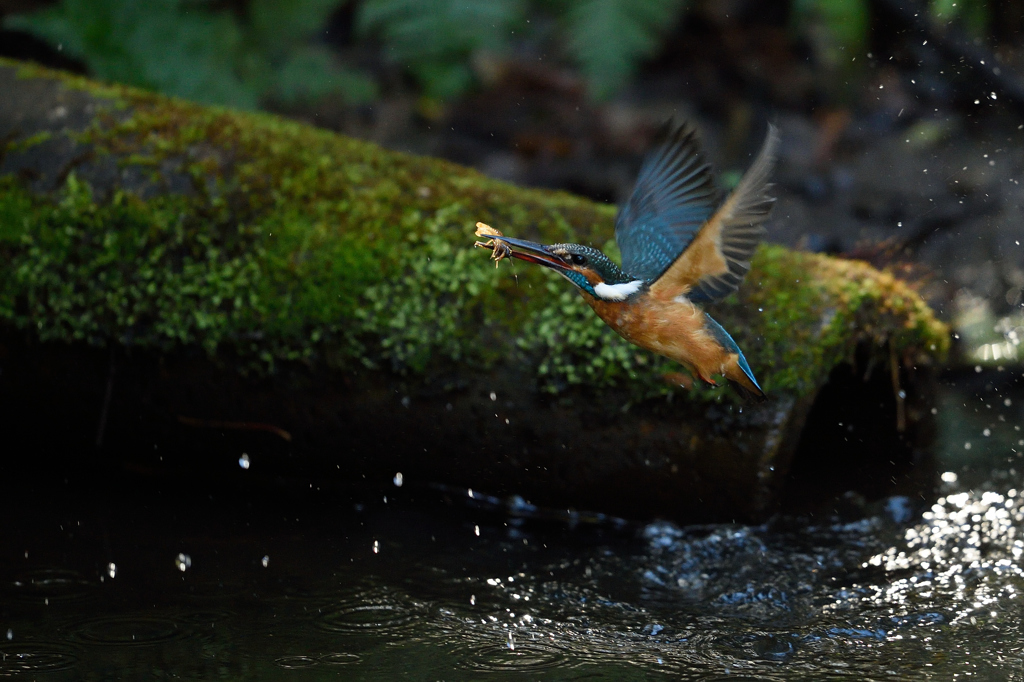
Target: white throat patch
x,y
617,292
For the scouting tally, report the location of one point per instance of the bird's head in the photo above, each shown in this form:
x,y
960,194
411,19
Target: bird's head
x,y
586,267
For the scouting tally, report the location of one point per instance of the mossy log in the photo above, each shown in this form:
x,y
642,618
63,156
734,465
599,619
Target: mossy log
x,y
169,265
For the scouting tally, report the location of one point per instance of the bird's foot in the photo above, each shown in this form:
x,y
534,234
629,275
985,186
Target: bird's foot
x,y
678,379
708,380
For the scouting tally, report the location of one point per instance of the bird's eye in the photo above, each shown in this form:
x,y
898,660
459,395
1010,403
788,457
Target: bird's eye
x,y
577,259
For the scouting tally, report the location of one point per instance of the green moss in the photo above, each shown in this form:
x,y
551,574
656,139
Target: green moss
x,y
293,243
29,142
819,308
138,273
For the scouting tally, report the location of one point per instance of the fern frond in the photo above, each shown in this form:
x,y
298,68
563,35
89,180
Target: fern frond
x,y
154,44
435,38
608,38
278,26
186,48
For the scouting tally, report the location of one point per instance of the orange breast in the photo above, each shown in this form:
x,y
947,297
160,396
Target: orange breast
x,y
673,328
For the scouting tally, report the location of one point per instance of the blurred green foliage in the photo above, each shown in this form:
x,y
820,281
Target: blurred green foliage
x,y
608,38
269,50
836,29
973,15
436,39
190,49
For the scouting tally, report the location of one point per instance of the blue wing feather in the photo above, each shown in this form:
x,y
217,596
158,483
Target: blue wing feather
x,y
673,197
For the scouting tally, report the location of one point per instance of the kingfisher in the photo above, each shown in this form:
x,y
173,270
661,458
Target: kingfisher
x,y
681,246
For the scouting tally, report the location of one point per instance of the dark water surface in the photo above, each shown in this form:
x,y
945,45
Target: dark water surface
x,y
129,576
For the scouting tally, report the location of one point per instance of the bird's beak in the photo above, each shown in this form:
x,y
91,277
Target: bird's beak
x,y
532,252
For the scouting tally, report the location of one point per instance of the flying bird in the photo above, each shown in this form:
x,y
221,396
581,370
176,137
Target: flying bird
x,y
681,247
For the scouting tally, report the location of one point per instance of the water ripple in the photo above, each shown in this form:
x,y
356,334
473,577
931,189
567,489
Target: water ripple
x,y
526,656
35,657
129,630
379,614
207,617
51,584
295,662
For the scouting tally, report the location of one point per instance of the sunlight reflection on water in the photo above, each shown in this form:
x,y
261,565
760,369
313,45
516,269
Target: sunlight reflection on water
x,y
917,589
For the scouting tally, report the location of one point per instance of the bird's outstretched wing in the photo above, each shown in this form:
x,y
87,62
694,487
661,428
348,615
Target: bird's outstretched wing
x,y
673,197
715,261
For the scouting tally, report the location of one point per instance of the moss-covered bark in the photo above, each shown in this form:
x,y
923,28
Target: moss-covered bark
x,y
156,225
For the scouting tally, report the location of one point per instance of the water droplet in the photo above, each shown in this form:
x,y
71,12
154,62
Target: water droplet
x,y
111,569
406,402
472,600
243,461
183,561
10,634
902,395
977,369
949,477
511,642
1007,402
986,432
476,530
376,547
967,445
494,396
398,480
470,492
265,560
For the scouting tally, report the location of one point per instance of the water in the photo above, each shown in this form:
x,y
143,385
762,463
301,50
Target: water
x,y
280,580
